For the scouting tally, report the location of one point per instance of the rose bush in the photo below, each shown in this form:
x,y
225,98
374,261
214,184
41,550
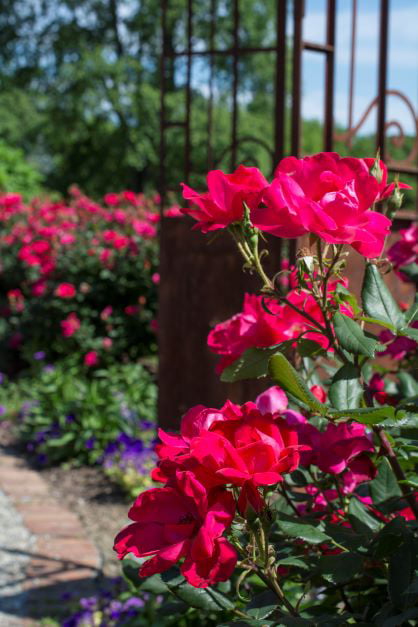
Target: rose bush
x,y
78,277
319,473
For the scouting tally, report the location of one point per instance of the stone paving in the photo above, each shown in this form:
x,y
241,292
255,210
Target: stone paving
x,y
44,551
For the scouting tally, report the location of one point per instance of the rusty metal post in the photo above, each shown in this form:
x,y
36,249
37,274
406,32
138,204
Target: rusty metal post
x,y
280,86
329,76
382,77
298,9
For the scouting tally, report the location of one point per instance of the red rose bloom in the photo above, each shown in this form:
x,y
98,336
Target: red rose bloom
x,y
231,445
65,290
223,204
330,196
181,520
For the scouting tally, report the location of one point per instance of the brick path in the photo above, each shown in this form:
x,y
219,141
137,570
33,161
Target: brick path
x,y
60,560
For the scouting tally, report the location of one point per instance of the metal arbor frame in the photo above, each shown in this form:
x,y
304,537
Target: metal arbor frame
x,y
289,13
186,374
234,52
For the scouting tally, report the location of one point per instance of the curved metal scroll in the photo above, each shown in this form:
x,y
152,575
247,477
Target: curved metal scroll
x,y
410,162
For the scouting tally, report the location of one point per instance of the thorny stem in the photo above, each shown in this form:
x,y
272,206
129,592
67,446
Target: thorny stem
x,y
253,259
268,576
270,580
283,491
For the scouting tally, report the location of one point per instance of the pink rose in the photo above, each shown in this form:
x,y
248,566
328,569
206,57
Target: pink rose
x,y
222,204
91,359
405,251
173,212
70,325
111,199
106,312
397,347
107,343
39,287
328,195
341,447
144,229
254,327
181,520
272,401
65,290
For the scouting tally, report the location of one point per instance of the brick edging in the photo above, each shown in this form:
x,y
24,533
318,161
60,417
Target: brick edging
x,y
63,559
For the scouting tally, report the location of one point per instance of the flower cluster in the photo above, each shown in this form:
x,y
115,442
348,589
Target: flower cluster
x,y
90,269
111,606
331,196
310,487
264,322
236,446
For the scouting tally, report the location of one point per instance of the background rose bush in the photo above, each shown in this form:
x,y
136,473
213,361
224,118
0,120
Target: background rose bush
x,y
78,277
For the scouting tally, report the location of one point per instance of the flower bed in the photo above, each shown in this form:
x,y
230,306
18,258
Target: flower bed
x,y
78,277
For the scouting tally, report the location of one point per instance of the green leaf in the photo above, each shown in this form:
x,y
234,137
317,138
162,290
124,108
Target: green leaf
x,y
411,271
340,568
293,561
412,314
378,302
384,486
262,605
345,536
309,348
401,572
346,390
360,518
386,325
389,538
365,415
172,577
352,338
284,375
292,621
207,599
302,530
154,584
253,363
409,332
400,619
62,441
408,386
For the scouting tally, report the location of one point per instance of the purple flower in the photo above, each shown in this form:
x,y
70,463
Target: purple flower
x,y
2,410
133,602
1,378
146,424
88,603
69,419
39,355
115,609
48,368
89,443
79,619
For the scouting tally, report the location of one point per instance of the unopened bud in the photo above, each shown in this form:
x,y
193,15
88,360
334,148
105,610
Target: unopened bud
x,y
376,170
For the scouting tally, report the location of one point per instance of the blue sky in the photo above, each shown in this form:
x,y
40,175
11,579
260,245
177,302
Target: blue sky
x,y
403,60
